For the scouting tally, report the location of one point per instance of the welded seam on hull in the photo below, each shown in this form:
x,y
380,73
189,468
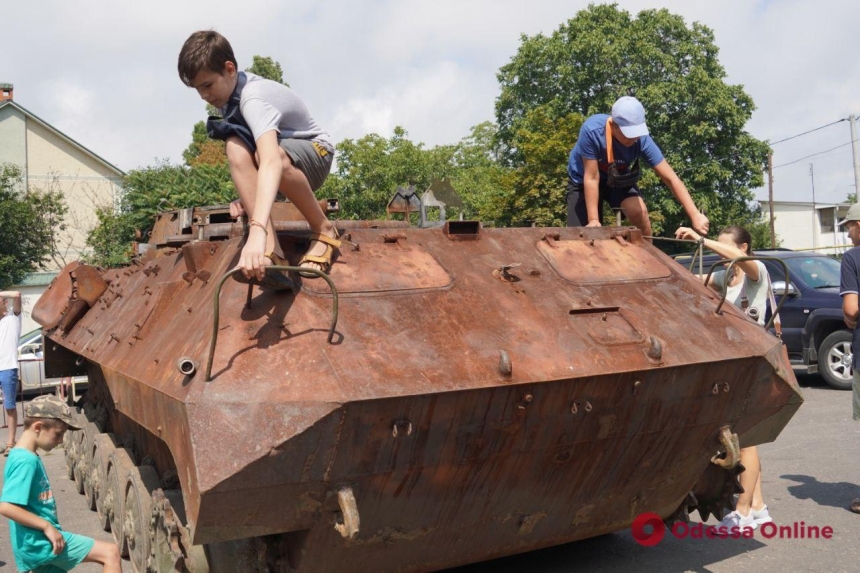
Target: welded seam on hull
x,y
336,445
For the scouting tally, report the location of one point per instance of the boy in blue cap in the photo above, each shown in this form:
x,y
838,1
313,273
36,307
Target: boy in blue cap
x,y
604,166
39,543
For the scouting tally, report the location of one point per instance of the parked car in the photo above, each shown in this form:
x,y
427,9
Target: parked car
x,y
31,364
813,330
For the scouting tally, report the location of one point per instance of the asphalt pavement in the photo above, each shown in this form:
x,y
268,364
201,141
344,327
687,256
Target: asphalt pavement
x,y
809,475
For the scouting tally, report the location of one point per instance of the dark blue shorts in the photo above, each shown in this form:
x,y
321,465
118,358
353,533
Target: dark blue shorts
x,y
577,213
9,385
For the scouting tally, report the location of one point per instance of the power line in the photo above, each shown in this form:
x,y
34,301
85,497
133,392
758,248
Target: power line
x,y
810,131
814,154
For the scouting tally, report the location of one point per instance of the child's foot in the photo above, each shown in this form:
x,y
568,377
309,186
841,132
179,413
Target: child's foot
x,y
321,252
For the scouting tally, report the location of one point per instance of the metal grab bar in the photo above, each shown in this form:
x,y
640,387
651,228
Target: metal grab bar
x,y
698,254
217,298
731,263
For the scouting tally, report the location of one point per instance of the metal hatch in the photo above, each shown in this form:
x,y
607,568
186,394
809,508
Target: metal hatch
x,y
596,261
390,266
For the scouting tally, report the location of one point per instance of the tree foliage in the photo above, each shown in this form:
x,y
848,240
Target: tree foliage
x,y
696,118
29,220
540,180
268,68
370,169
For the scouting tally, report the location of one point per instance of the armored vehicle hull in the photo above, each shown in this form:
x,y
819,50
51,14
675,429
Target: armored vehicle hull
x,y
483,392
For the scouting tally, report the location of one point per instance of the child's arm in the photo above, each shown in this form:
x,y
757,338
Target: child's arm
x,y
269,175
23,517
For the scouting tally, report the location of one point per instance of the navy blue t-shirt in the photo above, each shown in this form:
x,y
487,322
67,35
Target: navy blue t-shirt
x,y
592,145
850,284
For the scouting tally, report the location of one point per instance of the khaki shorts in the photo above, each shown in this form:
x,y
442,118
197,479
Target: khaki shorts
x,y
311,158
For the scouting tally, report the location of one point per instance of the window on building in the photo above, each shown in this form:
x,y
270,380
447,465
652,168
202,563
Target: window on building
x,y
827,218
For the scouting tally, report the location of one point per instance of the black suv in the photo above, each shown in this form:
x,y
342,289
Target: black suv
x,y
812,326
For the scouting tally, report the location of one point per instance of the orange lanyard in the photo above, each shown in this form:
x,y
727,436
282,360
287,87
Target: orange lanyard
x,y
610,156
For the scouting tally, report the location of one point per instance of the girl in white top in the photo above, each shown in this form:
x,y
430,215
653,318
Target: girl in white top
x,y
747,289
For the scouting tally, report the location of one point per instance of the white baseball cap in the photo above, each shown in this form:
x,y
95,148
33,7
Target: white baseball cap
x,y
629,115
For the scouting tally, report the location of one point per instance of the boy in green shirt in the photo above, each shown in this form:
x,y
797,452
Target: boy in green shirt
x,y
38,542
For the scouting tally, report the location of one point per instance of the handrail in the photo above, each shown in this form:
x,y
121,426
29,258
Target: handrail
x,y
731,263
216,307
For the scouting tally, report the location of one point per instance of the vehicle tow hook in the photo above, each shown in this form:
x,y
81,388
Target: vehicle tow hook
x,y
729,440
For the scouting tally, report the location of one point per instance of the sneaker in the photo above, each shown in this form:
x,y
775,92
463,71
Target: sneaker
x,y
761,516
735,519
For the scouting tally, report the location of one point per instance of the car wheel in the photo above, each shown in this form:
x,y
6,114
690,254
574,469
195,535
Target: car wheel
x,y
834,360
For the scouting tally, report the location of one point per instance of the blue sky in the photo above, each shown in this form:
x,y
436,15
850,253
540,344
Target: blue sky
x,y
105,72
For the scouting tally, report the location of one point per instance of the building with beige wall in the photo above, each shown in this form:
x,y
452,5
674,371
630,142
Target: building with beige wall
x,y
50,159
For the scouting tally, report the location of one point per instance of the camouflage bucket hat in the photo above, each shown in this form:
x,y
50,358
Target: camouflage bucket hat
x,y
49,406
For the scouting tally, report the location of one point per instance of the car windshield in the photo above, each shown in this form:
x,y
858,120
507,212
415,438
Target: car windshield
x,y
30,336
816,272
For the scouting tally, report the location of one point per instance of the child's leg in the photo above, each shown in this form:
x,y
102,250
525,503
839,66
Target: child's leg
x,y
295,185
243,170
749,479
107,555
637,213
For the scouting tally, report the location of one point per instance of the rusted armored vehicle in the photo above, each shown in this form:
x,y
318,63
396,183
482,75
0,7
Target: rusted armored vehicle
x,y
446,395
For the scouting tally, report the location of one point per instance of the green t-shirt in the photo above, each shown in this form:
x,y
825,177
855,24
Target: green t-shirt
x,y
25,483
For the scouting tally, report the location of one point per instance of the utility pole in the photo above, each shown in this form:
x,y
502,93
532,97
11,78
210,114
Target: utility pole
x,y
770,197
851,119
814,211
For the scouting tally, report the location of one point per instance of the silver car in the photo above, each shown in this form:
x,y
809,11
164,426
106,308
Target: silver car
x,y
31,364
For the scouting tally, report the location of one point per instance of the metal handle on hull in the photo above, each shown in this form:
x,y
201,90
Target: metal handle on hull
x,y
217,298
349,509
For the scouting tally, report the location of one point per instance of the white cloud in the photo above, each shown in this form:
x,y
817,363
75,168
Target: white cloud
x,y
433,104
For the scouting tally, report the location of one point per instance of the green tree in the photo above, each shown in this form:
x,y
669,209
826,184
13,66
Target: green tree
x,y
694,115
268,68
483,183
199,138
540,180
28,221
370,169
110,241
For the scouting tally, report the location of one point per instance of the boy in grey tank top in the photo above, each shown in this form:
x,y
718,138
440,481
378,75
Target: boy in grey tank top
x,y
273,144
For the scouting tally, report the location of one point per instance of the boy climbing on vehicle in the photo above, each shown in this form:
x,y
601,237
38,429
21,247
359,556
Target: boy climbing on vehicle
x,y
38,542
273,144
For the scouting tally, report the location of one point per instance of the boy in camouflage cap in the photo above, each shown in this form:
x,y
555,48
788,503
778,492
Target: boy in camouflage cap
x,y
38,542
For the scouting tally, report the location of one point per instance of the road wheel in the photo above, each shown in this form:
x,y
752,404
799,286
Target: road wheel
x,y
170,542
834,360
119,463
105,444
140,482
69,451
91,432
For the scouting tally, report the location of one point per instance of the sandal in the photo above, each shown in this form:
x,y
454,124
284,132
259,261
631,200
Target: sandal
x,y
324,260
855,505
273,280
7,448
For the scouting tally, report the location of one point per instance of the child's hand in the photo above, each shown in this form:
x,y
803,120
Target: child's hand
x,y
253,261
56,538
686,233
236,209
